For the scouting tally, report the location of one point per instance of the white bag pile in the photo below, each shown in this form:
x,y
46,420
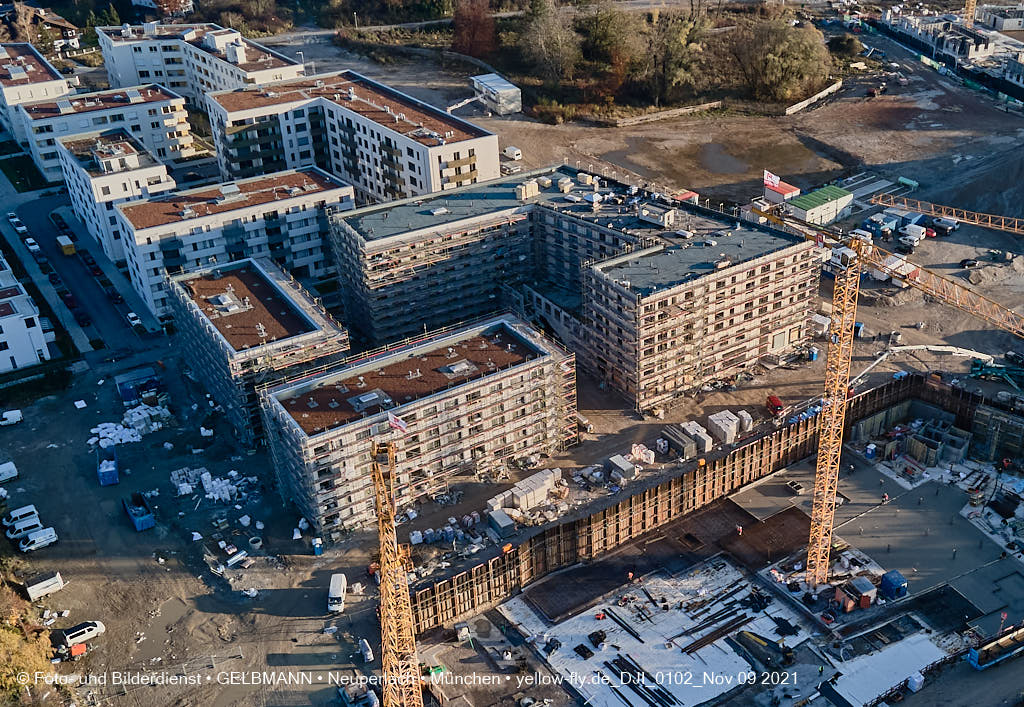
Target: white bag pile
x,y
137,421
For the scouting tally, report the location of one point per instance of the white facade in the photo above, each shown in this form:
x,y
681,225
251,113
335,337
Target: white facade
x,y
281,216
153,114
190,59
25,75
22,342
103,169
387,144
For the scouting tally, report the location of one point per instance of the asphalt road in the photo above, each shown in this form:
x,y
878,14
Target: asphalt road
x,y
108,320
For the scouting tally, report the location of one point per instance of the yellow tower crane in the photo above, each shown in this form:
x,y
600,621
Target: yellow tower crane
x,y
402,683
857,255
969,8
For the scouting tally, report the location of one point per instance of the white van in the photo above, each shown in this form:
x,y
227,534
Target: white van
x,y
364,648
38,539
24,526
18,514
513,153
8,471
82,633
914,231
336,594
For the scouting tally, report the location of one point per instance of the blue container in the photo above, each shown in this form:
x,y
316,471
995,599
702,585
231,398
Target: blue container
x,y
428,535
870,452
812,355
449,534
858,328
893,585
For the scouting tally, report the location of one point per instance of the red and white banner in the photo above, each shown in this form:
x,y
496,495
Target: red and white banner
x,y
771,180
397,423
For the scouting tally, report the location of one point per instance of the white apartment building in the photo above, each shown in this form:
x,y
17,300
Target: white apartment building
x,y
385,143
22,342
154,114
280,216
102,169
191,59
25,75
475,400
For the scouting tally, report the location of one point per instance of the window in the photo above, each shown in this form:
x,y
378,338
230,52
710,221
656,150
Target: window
x,y
105,191
4,346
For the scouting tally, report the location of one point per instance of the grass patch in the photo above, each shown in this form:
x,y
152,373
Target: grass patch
x,y
92,59
22,173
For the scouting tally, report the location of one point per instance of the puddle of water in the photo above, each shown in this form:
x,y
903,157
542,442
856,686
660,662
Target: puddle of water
x,y
716,160
171,611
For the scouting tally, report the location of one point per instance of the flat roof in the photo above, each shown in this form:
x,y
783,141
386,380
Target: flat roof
x,y
224,198
369,386
245,306
99,100
257,56
86,146
666,266
819,197
21,64
383,105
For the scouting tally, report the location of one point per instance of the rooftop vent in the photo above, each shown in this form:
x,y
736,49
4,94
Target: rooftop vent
x,y
439,211
65,107
133,95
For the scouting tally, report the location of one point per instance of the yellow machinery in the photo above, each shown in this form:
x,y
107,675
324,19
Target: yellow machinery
x,y
857,255
397,632
998,223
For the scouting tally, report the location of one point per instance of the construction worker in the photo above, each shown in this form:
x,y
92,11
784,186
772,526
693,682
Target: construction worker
x,y
885,498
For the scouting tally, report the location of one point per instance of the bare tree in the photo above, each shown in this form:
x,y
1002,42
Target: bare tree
x,y
550,41
473,28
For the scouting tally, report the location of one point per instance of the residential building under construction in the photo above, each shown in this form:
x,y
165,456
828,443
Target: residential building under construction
x,y
657,297
248,323
468,402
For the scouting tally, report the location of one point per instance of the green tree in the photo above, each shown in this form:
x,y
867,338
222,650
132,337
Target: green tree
x,y
111,17
44,42
779,62
549,41
673,52
608,33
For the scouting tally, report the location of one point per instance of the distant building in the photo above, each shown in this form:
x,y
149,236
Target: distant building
x,y
25,76
281,216
103,169
465,402
385,143
154,114
64,34
497,95
167,8
192,60
1002,18
247,324
22,341
821,206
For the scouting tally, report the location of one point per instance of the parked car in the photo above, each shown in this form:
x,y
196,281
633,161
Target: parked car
x,y
969,263
69,300
32,246
8,471
24,526
81,318
19,228
905,249
54,278
113,295
133,319
87,258
11,417
95,270
82,632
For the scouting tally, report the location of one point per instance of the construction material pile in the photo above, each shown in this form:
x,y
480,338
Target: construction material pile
x,y
137,421
233,489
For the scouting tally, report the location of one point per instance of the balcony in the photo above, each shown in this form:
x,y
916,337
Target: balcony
x,y
464,162
464,177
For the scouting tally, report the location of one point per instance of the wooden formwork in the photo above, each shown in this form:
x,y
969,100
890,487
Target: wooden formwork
x,y
577,540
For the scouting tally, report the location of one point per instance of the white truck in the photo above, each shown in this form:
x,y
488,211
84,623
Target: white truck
x,y
336,593
914,232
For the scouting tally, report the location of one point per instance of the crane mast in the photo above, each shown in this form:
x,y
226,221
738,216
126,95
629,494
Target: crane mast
x,y
833,417
398,635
